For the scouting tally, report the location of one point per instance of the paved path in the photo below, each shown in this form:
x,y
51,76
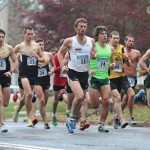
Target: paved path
x,y
24,138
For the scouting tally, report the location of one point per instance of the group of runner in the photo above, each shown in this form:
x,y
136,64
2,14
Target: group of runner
x,y
87,73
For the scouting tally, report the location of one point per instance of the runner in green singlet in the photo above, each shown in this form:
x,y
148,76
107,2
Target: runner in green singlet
x,y
99,67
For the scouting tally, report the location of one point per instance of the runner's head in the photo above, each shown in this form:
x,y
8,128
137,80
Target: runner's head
x,y
2,36
114,38
41,43
100,33
28,34
129,41
80,26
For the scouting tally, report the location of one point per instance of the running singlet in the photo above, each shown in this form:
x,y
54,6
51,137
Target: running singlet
x,y
118,70
59,79
43,71
28,64
4,60
80,55
101,63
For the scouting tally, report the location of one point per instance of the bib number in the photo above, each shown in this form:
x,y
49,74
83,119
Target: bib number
x,y
131,81
2,64
42,72
63,74
102,63
118,67
31,61
84,59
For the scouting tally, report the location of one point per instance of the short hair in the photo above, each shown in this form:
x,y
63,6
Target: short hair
x,y
127,36
27,28
80,20
39,40
114,33
2,31
98,30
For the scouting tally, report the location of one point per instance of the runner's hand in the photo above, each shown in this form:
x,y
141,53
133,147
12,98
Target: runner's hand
x,y
92,72
112,65
93,55
64,68
7,74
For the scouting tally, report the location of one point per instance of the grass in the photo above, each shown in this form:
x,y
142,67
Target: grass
x,y
141,113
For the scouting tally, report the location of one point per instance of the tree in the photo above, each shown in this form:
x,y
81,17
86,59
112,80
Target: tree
x,y
54,19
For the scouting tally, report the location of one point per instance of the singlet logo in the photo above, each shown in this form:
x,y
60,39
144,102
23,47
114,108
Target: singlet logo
x,y
78,49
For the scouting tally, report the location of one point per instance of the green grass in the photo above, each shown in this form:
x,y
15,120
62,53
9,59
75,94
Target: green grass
x,y
141,113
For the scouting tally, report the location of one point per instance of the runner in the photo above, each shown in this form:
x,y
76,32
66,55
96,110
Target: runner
x,y
30,54
98,81
6,69
80,48
144,64
117,77
130,72
42,82
59,84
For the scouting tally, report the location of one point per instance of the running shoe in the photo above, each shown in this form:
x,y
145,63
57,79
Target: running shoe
x,y
29,123
46,126
68,114
101,128
3,128
124,124
34,121
15,96
116,122
60,95
132,121
54,120
16,114
84,125
70,130
72,122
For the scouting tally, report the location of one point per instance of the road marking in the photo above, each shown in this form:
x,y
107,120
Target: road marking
x,y
25,147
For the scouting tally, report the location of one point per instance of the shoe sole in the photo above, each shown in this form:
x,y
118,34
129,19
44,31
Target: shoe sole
x,y
47,127
5,130
103,130
116,127
126,124
85,127
54,124
133,124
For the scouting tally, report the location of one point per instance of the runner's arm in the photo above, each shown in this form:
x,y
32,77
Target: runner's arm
x,y
142,61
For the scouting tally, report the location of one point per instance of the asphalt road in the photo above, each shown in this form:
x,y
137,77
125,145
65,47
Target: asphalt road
x,y
25,138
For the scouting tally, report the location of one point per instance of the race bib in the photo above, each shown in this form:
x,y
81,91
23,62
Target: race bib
x,y
102,63
63,74
2,64
42,72
31,61
84,59
131,81
118,67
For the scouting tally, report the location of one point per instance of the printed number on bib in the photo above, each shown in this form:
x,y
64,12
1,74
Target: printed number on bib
x,y
42,72
84,59
102,63
2,64
31,61
131,81
118,67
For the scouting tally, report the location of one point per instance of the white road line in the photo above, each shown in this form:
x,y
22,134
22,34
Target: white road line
x,y
25,147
